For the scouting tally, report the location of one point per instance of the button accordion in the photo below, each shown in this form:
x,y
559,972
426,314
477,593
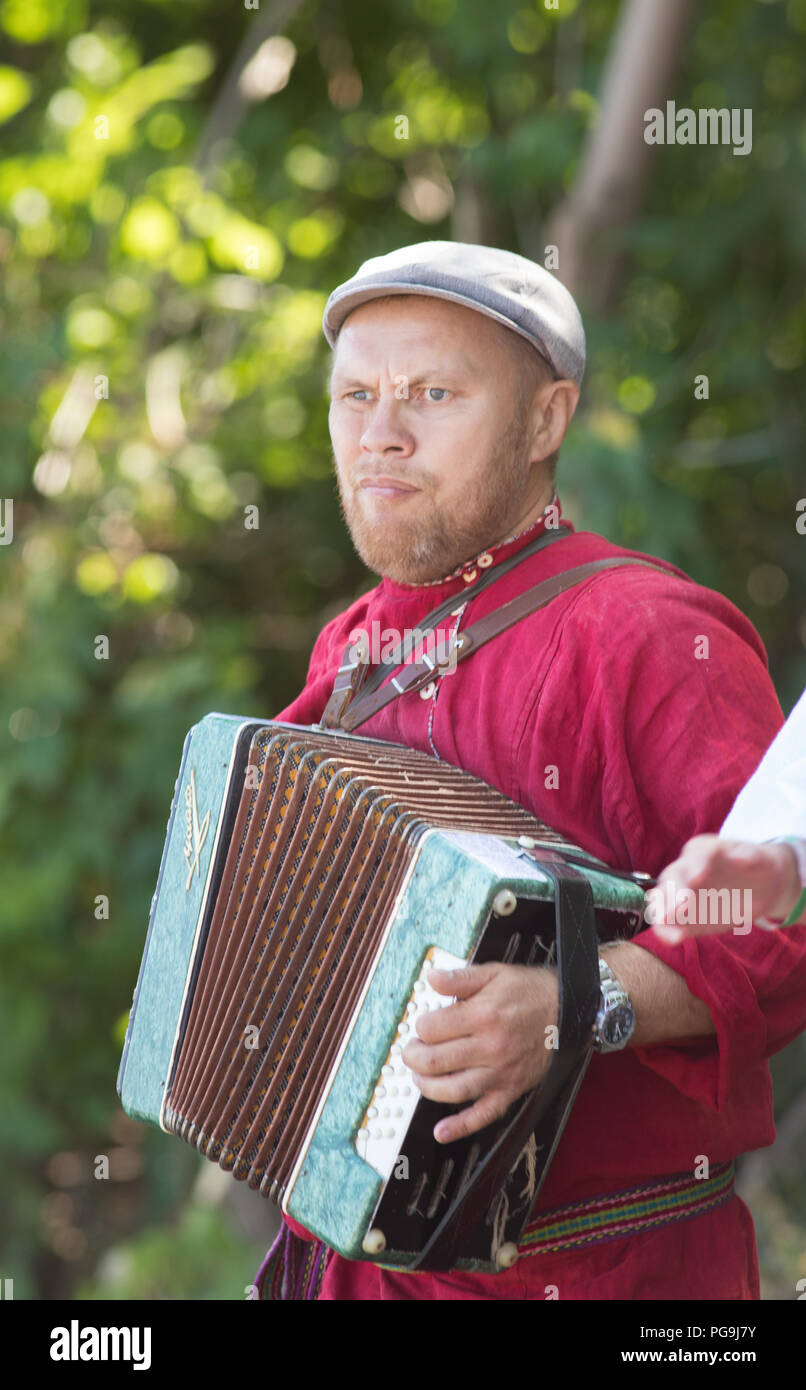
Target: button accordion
x,y
309,881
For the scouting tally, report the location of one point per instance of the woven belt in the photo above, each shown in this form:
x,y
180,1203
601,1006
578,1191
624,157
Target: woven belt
x,y
294,1269
676,1197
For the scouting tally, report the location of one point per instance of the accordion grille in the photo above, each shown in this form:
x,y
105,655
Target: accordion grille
x,y
324,831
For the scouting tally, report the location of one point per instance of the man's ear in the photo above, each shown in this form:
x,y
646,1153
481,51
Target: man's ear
x,y
554,407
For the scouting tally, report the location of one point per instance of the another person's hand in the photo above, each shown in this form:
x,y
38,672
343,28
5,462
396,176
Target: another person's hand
x,y
490,1047
707,864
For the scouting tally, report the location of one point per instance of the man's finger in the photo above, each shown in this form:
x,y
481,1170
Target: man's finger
x,y
488,1108
463,983
671,935
457,1088
441,1058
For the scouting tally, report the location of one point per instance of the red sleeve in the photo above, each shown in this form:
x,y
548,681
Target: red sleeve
x,y
666,686
755,988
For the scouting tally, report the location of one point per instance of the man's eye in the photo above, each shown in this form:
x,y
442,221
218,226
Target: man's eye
x,y
442,392
351,395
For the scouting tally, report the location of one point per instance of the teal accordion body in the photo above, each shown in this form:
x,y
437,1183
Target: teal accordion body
x,y
308,881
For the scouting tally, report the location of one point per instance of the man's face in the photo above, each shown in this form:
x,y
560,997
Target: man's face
x,y
432,440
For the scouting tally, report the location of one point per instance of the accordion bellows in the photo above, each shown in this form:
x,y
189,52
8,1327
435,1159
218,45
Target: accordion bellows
x,y
307,880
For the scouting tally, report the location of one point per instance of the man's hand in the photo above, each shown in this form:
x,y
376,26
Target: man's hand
x,y
768,871
490,1047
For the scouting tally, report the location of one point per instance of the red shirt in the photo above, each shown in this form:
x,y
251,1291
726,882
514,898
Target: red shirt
x,y
627,714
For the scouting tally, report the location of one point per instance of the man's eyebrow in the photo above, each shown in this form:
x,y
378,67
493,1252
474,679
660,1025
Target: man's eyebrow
x,y
430,375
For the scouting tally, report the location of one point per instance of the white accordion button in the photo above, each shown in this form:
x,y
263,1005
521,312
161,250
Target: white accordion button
x,y
374,1242
381,1147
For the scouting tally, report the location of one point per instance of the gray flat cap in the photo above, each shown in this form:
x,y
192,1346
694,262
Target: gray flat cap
x,y
517,292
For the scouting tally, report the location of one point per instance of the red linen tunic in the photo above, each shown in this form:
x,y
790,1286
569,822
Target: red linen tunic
x,y
627,714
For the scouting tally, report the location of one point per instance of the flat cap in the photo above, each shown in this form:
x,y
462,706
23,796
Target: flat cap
x,y
517,292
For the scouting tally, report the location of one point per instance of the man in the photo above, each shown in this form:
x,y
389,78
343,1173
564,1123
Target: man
x,y
456,372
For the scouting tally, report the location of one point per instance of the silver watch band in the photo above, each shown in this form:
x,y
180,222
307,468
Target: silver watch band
x,y
614,997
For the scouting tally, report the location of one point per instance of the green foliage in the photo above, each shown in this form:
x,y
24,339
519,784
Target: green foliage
x,y
162,369
199,1257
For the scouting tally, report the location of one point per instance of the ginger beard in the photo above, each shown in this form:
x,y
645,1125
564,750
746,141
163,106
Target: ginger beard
x,y
420,538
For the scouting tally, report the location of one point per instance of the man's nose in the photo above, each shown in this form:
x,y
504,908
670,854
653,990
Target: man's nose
x,y
386,427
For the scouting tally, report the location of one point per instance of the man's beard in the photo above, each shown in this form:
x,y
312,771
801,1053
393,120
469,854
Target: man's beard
x,y
436,542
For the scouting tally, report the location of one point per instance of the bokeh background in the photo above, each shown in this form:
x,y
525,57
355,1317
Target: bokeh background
x,y
182,182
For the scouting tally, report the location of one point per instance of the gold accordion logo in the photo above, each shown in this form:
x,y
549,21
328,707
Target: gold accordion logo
x,y
195,834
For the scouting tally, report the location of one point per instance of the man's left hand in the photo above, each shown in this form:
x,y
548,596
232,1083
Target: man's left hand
x,y
490,1047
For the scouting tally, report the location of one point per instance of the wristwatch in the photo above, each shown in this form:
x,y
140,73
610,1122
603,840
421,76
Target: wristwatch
x,y
615,1021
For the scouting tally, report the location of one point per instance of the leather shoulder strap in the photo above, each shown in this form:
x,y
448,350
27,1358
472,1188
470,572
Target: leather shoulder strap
x,y
354,672
348,707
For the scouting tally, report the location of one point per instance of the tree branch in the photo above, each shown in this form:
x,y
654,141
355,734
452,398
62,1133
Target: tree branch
x,y
615,160
227,111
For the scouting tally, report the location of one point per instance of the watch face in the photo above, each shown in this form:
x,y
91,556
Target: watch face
x,y
618,1025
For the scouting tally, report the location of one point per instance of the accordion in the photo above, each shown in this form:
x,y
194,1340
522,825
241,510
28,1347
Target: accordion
x,y
309,881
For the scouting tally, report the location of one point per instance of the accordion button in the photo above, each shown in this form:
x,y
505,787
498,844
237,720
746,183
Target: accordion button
x,y
363,1134
428,690
380,1092
470,576
526,841
374,1242
507,1255
372,1113
485,560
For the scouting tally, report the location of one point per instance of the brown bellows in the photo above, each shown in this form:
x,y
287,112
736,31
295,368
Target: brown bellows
x,y
326,827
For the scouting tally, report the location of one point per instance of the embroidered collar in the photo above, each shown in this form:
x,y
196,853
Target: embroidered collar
x,y
483,559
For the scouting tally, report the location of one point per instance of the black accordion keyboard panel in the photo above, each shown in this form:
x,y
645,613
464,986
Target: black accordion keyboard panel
x,y
324,831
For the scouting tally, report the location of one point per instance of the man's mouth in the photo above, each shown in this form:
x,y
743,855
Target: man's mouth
x,y
383,486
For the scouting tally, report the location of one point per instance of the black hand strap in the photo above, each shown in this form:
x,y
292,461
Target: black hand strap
x,y
579,998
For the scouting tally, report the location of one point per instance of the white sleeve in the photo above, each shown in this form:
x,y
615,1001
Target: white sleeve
x,y
773,802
